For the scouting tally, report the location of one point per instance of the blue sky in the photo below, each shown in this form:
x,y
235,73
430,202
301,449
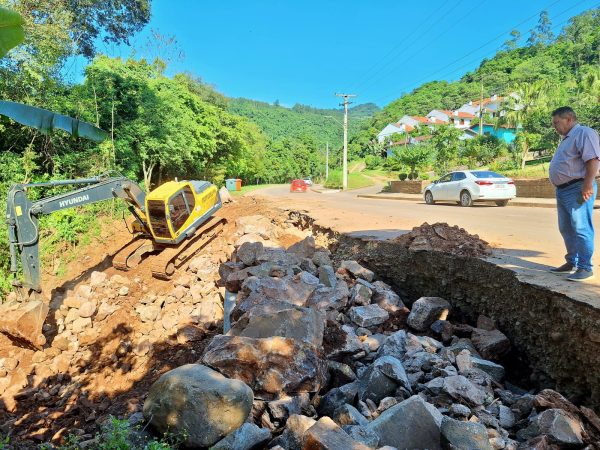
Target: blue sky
x,y
306,51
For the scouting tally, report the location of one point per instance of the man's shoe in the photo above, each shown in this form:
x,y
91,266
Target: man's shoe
x,y
565,268
581,275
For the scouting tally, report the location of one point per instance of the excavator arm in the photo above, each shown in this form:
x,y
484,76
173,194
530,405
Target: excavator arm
x,y
22,216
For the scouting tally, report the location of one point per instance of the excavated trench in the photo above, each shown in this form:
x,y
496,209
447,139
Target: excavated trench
x,y
555,339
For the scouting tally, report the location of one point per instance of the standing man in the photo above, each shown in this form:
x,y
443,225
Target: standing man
x,y
573,170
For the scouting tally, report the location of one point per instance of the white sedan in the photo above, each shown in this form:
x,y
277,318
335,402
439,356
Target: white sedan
x,y
468,186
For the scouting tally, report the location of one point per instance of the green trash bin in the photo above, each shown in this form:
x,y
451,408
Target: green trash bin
x,y
230,184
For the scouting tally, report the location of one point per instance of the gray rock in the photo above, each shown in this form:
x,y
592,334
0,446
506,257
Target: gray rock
x,y
382,378
427,310
465,435
412,423
247,437
327,435
349,415
303,324
559,426
443,329
490,344
283,408
327,276
270,366
308,266
340,373
249,252
506,417
464,361
259,291
357,270
321,258
362,434
496,371
460,388
360,295
385,297
394,345
326,298
458,410
368,316
351,344
305,248
192,398
435,386
337,397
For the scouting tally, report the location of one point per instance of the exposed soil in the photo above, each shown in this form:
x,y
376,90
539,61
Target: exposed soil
x,y
442,237
110,378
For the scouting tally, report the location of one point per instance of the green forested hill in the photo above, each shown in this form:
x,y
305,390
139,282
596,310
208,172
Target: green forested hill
x,y
545,71
279,122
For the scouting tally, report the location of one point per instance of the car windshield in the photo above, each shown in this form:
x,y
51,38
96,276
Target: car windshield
x,y
487,174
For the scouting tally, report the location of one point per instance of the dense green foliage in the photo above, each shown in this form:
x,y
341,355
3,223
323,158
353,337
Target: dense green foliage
x,y
545,73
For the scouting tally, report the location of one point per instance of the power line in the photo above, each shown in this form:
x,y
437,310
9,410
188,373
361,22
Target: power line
x,y
390,52
479,58
405,60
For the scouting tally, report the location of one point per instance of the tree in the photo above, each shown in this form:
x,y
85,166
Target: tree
x,y
416,157
542,33
446,143
513,42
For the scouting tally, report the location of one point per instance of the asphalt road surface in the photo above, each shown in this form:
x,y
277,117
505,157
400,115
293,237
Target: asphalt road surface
x,y
525,239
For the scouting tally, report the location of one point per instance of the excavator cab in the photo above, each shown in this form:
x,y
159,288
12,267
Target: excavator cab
x,y
177,207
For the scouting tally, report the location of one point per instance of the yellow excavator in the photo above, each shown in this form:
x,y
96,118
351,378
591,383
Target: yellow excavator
x,y
172,223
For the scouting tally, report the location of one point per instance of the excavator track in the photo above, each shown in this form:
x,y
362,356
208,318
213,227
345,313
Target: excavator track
x,y
131,255
171,258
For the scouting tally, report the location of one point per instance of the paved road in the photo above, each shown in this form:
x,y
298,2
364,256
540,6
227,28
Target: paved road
x,y
526,240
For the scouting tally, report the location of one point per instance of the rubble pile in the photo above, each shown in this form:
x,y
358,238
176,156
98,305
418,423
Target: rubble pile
x,y
442,237
262,344
334,359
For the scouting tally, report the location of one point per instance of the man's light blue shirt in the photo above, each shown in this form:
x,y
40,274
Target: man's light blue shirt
x,y
580,145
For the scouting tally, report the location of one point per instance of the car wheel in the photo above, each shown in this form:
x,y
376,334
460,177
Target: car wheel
x,y
465,199
429,198
501,202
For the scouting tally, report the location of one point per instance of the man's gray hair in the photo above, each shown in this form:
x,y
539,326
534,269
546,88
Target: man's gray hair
x,y
564,111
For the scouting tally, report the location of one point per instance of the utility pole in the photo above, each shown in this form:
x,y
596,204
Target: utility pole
x,y
481,109
327,162
345,161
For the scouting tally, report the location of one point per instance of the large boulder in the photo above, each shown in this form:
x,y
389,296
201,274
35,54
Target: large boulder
x,y
303,324
249,252
327,435
427,310
270,366
261,290
395,345
412,423
330,298
192,400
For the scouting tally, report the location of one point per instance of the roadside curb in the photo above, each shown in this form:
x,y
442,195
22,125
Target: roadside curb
x,y
517,203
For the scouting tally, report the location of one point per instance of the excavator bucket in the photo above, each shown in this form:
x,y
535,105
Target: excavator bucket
x,y
24,321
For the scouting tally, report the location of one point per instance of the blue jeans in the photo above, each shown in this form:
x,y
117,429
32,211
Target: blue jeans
x,y
575,224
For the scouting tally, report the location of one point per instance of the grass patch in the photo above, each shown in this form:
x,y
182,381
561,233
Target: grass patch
x,y
356,180
530,171
251,187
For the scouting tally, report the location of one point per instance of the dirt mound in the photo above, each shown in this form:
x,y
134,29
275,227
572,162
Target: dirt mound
x,y
442,237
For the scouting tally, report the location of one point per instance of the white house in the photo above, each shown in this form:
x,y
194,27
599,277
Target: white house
x,y
439,116
390,129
